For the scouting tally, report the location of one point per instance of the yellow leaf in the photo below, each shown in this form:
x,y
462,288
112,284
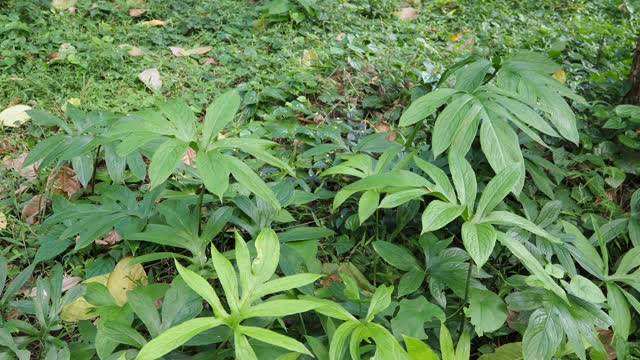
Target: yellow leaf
x,y
560,75
154,22
124,278
3,221
74,101
309,57
455,37
14,116
80,309
63,4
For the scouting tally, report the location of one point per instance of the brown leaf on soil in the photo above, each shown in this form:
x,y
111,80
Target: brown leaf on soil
x,y
136,12
151,78
154,23
28,172
31,211
189,156
180,52
407,13
210,61
606,338
73,9
64,181
340,36
112,237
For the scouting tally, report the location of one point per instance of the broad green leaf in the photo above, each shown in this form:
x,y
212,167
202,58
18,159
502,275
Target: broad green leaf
x,y
284,284
618,311
410,282
144,307
585,289
479,241
397,256
198,284
500,146
446,344
511,351
463,349
487,311
182,118
249,179
511,219
268,253
121,333
176,336
466,133
472,75
530,262
438,214
368,204
413,314
273,338
213,171
425,106
443,185
339,339
243,261
449,121
630,261
464,180
418,350
381,300
542,337
302,233
497,189
17,282
330,308
396,199
243,348
165,160
227,277
218,115
279,308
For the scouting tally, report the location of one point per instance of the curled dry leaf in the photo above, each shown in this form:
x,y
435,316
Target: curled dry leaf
x,y
151,78
407,13
112,237
154,23
31,211
180,52
14,116
3,221
29,172
64,181
136,12
189,157
67,283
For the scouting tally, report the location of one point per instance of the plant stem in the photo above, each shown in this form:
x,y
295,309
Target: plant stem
x,y
95,168
466,294
199,208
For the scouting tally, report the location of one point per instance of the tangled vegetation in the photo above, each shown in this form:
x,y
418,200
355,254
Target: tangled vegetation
x,y
299,179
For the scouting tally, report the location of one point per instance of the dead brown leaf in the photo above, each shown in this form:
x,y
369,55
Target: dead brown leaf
x,y
151,78
210,61
180,52
28,172
32,210
455,37
407,13
112,237
340,36
136,51
154,23
64,181
136,12
189,156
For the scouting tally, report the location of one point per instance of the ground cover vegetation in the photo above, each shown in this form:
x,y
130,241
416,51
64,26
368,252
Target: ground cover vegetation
x,y
298,179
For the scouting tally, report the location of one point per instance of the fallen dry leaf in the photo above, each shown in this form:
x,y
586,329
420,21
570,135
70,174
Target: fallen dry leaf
x,y
210,61
154,22
124,278
73,9
3,221
407,13
29,172
309,57
180,52
136,12
31,211
64,181
112,237
67,283
14,116
340,36
189,156
455,37
63,4
80,309
151,78
136,51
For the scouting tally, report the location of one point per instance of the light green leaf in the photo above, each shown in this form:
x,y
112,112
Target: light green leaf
x,y
619,311
443,185
273,338
165,160
413,313
227,277
121,333
449,121
438,214
446,344
464,180
198,284
511,351
497,189
243,348
284,284
218,115
176,336
368,204
425,106
478,240
500,145
542,337
249,179
585,289
487,311
213,171
630,261
182,118
418,350
410,282
330,308
509,218
396,199
530,262
339,339
381,300
279,308
463,349
268,254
